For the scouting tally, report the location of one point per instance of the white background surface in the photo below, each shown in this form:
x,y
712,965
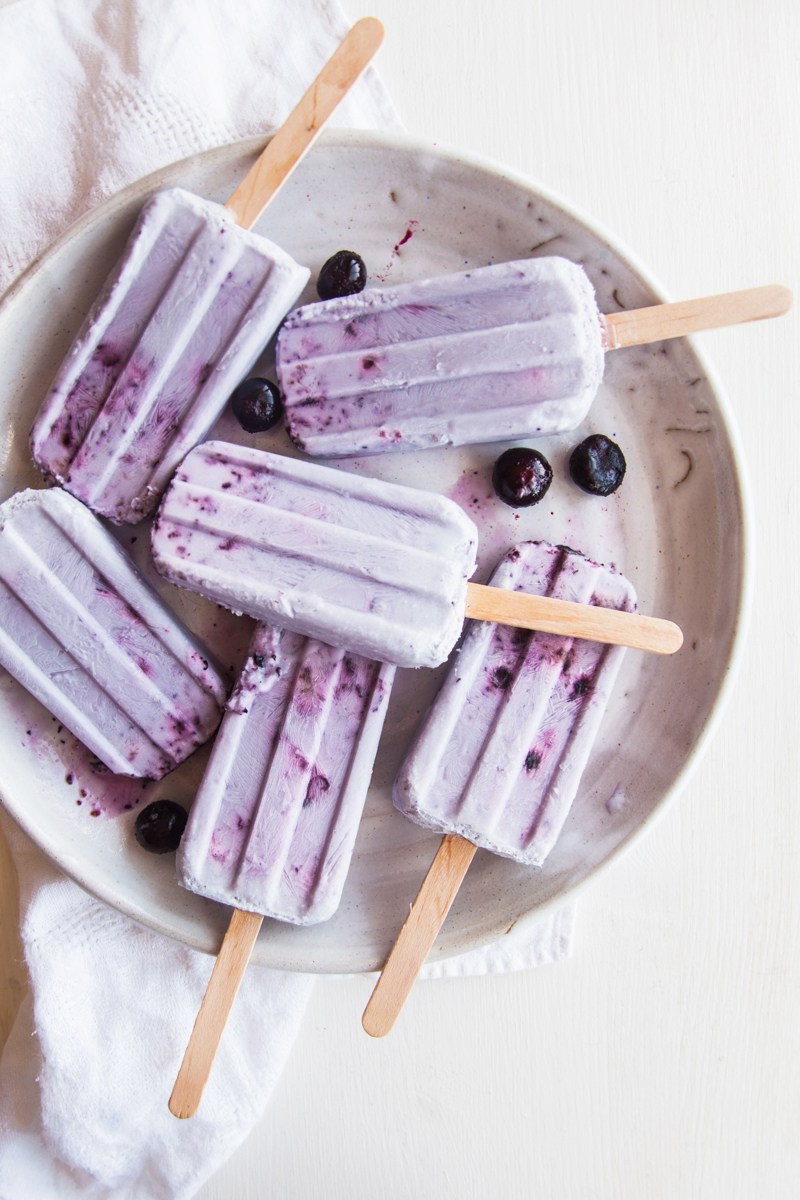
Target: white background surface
x,y
662,1060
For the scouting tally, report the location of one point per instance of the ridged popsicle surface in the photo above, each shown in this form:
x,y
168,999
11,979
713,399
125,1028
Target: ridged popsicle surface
x,y
377,568
273,826
184,315
84,633
499,757
506,351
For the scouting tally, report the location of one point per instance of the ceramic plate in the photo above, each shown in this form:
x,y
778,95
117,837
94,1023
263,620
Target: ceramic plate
x,y
676,528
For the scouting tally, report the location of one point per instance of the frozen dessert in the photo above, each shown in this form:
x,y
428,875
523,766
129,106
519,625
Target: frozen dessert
x,y
274,822
84,633
501,352
182,318
500,754
184,315
508,351
498,758
377,568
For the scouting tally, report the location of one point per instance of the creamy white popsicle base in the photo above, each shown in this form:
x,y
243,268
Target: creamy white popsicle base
x,y
274,823
84,633
377,568
500,352
184,315
500,754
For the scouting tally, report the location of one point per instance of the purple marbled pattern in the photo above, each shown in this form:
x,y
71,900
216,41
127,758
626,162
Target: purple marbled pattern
x,y
180,322
83,632
378,568
92,788
506,351
273,825
499,756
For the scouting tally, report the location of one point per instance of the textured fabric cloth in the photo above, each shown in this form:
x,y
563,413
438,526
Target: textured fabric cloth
x,y
84,1099
95,94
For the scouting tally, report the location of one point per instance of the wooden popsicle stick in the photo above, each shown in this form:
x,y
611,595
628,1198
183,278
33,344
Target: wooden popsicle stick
x,y
565,617
218,1000
270,170
662,321
419,932
304,124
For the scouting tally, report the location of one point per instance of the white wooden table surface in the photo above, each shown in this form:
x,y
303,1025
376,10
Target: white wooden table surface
x,y
662,1061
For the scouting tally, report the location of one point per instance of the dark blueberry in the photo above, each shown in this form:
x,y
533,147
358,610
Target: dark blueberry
x,y
501,678
343,274
521,477
597,465
317,787
159,827
257,405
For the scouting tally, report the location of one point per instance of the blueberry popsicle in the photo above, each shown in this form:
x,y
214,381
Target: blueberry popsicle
x,y
379,569
273,825
182,318
185,314
83,633
272,828
506,351
498,758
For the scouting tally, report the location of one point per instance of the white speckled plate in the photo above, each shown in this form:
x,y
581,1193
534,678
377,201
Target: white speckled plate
x,y
676,528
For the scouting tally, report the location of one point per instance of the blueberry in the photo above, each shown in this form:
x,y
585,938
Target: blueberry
x,y
597,465
521,477
159,827
343,274
257,405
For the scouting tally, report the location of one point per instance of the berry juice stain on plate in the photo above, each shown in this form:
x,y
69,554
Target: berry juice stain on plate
x,y
97,791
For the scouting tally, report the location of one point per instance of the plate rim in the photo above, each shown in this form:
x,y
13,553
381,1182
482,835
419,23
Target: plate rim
x,y
400,142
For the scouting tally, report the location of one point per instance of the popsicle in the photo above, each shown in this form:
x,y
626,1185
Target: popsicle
x,y
83,633
377,568
499,756
512,350
181,319
272,828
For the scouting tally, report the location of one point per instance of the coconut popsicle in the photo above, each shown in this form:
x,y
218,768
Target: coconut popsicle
x,y
185,313
273,826
377,568
498,759
500,754
86,635
507,351
183,317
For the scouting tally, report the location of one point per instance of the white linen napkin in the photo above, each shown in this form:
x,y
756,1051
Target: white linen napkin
x,y
106,93
83,1110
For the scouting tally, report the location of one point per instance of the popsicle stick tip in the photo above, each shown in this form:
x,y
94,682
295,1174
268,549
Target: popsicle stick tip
x,y
373,27
180,1108
769,300
766,300
374,1025
784,299
673,637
